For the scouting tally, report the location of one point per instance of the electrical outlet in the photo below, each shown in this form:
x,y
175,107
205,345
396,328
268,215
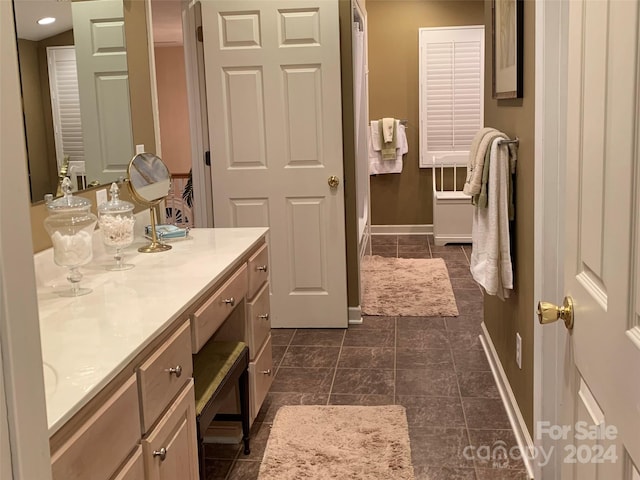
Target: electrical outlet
x,y
139,149
519,350
101,196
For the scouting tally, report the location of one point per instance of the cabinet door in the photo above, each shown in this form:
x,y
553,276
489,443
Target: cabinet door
x,y
170,451
133,469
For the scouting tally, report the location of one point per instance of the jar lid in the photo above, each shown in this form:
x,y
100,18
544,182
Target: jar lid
x,y
68,202
115,205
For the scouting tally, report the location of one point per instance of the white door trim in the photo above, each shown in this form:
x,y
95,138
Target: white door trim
x,y
550,147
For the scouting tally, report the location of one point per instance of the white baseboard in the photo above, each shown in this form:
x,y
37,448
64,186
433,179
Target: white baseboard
x,y
355,315
402,229
525,442
440,240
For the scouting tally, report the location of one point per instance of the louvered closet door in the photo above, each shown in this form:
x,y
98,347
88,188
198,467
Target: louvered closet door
x,y
65,103
451,89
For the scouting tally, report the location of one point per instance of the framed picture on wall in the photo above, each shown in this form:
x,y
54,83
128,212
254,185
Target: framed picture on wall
x,y
507,24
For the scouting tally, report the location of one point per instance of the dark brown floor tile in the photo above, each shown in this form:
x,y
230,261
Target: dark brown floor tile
x,y
430,239
362,399
467,282
501,474
277,352
281,336
425,254
488,413
245,470
424,472
432,411
375,323
377,240
410,358
477,384
217,469
275,400
363,381
470,360
320,337
413,240
221,451
464,340
311,357
259,436
469,300
422,339
500,449
456,257
448,248
439,446
420,323
413,248
385,250
370,338
303,380
458,270
426,382
366,357
464,323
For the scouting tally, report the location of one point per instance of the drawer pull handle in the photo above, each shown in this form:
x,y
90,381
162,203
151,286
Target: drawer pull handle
x,y
264,317
162,453
266,372
262,268
229,301
177,371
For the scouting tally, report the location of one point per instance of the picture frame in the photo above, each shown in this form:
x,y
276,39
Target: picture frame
x,y
507,35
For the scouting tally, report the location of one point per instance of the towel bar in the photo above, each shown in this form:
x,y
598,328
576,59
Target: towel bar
x,y
515,141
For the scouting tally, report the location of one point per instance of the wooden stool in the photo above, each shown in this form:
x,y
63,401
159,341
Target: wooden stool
x,y
217,368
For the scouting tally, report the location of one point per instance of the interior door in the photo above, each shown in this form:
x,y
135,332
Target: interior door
x,y
602,244
103,81
273,94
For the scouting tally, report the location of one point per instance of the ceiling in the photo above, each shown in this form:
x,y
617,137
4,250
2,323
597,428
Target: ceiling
x,y
166,14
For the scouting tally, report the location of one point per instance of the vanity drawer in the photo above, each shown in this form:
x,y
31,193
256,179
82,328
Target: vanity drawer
x,y
259,322
258,269
206,320
163,374
261,374
133,469
103,442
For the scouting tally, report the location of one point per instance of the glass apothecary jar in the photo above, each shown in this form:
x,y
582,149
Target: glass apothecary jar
x,y
70,225
116,221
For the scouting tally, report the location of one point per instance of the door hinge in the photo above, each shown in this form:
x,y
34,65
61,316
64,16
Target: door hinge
x,y
207,158
199,35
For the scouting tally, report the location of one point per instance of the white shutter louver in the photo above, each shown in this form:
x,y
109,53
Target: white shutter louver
x,y
65,103
451,89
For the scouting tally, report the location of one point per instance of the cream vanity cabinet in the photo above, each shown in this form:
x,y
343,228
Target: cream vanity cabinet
x,y
141,424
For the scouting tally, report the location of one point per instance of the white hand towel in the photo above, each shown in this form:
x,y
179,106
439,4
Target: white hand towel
x,y
481,143
491,255
387,129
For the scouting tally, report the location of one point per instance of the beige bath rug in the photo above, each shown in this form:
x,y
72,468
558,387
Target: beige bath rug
x,y
406,287
338,442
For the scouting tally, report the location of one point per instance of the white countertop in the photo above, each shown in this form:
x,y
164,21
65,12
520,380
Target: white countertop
x,y
88,340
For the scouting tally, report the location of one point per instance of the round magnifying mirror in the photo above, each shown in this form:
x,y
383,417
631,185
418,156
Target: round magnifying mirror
x,y
149,183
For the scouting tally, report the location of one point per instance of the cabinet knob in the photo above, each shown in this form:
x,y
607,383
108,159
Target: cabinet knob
x,y
266,372
177,370
262,268
162,453
229,301
264,317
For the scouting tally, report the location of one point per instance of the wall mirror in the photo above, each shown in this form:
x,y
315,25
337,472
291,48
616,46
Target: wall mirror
x,y
75,88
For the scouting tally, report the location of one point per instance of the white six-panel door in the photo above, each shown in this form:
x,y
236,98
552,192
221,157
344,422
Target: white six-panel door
x,y
103,83
602,269
273,94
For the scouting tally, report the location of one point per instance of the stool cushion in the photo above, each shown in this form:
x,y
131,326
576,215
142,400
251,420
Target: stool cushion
x,y
210,367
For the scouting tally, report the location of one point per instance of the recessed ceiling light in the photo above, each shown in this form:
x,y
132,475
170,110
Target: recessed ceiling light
x,y
46,20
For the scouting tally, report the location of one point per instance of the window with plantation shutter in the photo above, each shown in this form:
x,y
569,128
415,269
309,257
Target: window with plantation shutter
x,y
451,90
65,103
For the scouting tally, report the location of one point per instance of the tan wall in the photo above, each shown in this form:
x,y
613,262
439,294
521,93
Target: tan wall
x,y
173,108
504,319
406,198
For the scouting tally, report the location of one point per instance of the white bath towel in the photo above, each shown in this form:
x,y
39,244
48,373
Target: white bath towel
x,y
479,146
491,255
375,135
376,164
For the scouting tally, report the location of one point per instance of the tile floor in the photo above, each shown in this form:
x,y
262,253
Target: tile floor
x,y
433,366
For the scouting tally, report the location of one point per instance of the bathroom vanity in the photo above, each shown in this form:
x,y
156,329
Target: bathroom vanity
x,y
118,361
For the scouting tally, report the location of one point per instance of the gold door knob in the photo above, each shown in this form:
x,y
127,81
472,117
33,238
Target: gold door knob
x,y
333,181
549,313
